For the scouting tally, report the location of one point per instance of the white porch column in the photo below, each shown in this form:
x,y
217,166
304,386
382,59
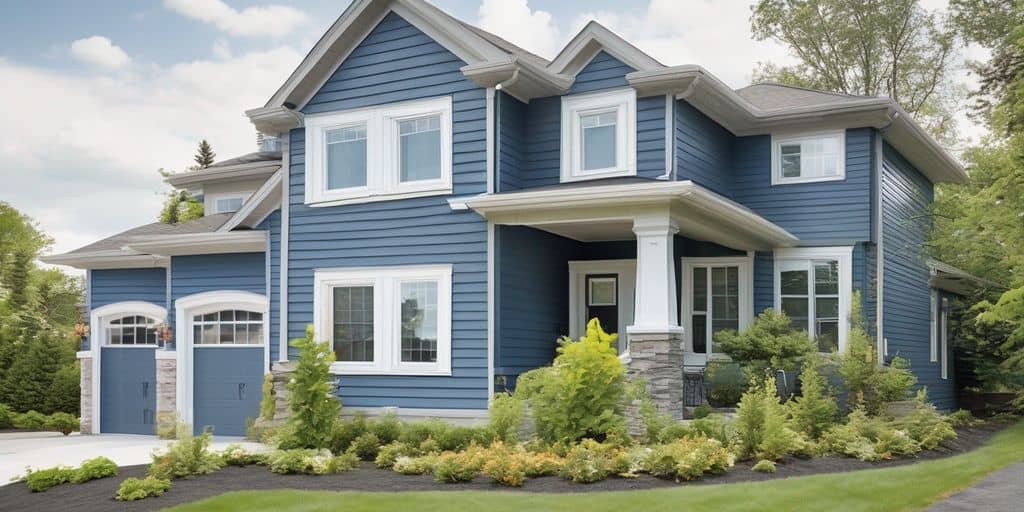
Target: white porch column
x,y
655,309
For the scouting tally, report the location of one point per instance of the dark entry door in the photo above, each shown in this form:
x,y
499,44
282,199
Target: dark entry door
x,y
603,300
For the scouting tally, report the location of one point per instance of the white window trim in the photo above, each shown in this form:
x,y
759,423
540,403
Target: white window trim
x,y
745,265
933,339
382,153
244,196
625,270
782,138
623,101
386,282
944,338
590,291
844,255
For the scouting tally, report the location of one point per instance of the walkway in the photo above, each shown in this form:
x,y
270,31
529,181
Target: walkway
x,y
1000,491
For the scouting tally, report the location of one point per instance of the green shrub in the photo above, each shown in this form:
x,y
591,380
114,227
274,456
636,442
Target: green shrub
x,y
688,458
366,446
814,411
962,418
6,417
506,470
764,466
673,431
268,402
188,456
387,428
541,464
235,455
579,396
925,425
416,433
314,407
388,454
869,438
715,426
453,467
761,423
310,462
702,411
588,461
429,445
135,489
408,465
724,382
62,422
869,384
506,416
771,342
31,420
43,479
92,469
344,432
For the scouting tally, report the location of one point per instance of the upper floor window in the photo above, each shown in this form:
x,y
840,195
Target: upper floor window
x,y
228,204
808,158
599,135
386,152
813,288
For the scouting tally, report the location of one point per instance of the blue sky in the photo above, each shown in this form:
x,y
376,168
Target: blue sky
x,y
102,94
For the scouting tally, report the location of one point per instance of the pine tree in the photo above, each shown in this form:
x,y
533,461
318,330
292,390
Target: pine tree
x,y
29,379
205,155
64,394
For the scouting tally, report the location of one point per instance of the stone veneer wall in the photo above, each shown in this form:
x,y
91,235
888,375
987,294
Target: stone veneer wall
x,y
658,360
85,422
166,390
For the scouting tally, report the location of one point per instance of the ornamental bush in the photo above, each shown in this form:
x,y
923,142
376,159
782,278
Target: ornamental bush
x,y
136,489
589,461
869,438
366,446
314,407
925,424
388,454
31,420
93,469
43,479
408,465
814,411
186,457
764,466
688,458
387,428
451,467
506,470
6,417
506,416
761,423
310,462
235,455
770,342
579,395
62,422
869,384
268,402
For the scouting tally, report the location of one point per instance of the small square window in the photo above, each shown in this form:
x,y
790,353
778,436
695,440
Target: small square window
x,y
602,291
599,135
808,158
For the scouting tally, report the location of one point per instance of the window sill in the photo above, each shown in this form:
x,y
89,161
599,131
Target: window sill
x,y
339,369
799,181
586,176
328,200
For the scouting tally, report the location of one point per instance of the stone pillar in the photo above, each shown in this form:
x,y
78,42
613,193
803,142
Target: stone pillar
x,y
282,373
658,359
166,389
85,383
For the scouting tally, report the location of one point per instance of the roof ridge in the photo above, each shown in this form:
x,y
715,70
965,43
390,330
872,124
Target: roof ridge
x,y
475,28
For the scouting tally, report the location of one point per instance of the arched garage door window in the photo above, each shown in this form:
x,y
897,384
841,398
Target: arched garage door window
x,y
132,330
228,327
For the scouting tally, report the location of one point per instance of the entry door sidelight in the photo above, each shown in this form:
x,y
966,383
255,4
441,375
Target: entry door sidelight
x,y
603,300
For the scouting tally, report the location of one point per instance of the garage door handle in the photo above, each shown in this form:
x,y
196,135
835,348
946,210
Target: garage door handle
x,y
145,390
241,391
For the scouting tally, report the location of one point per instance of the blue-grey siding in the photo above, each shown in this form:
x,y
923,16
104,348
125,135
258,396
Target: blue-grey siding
x,y
273,226
906,195
823,212
511,142
602,72
704,150
764,281
127,390
109,286
398,62
650,136
227,388
212,272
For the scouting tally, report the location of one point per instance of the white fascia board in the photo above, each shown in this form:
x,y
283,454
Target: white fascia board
x,y
201,243
227,173
107,259
593,38
250,213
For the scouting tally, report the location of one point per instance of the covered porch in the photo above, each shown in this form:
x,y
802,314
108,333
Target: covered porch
x,y
664,264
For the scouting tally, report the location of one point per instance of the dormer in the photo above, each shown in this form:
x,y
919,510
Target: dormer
x,y
225,186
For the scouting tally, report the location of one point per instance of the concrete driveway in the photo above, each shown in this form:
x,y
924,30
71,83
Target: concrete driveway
x,y
47,449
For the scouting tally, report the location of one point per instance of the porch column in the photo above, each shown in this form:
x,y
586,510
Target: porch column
x,y
655,338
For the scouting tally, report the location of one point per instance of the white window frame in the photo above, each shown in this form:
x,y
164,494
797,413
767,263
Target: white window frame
x,y
625,271
944,338
214,198
844,255
382,153
387,311
745,266
933,339
574,107
783,138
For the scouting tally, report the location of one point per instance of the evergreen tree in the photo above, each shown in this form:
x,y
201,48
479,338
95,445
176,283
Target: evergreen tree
x,y
29,379
64,394
205,155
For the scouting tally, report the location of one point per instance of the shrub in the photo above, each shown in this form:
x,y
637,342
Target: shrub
x,y
268,402
673,431
388,454
506,416
702,411
579,396
869,438
540,464
31,420
407,465
416,433
310,462
457,438
761,423
43,479
344,432
962,418
62,422
457,467
925,425
770,342
188,456
136,489
510,471
387,428
724,382
429,446
235,455
92,469
814,411
764,466
716,427
588,461
314,407
688,458
870,385
366,446
6,417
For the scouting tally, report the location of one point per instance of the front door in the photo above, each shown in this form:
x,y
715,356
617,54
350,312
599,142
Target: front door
x,y
603,300
602,289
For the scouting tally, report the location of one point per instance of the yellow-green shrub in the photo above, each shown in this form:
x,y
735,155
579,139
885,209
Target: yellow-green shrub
x,y
925,424
764,466
761,423
132,489
814,411
588,461
688,458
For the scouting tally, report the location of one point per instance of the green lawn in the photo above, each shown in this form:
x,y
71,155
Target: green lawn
x,y
899,488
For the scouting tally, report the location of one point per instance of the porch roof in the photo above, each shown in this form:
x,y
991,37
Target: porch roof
x,y
606,209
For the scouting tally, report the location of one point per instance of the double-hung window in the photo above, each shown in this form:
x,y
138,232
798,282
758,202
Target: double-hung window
x,y
386,320
718,296
386,152
599,135
813,288
808,157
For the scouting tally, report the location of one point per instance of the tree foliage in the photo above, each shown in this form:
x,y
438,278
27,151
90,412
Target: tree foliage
x,y
204,155
180,207
314,407
891,48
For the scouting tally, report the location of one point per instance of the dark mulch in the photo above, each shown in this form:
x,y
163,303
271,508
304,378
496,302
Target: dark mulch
x,y
98,494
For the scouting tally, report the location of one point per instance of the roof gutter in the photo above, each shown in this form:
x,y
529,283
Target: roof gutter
x,y
200,243
117,258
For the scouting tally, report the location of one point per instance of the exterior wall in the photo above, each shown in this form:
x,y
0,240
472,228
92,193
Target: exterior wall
x,y
831,212
906,195
211,272
398,62
273,226
511,142
129,284
602,72
210,191
704,150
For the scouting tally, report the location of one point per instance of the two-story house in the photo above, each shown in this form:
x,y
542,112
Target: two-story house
x,y
445,205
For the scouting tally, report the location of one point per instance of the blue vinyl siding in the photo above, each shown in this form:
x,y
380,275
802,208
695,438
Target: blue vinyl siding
x,y
542,150
211,272
704,150
764,281
398,62
273,226
511,142
906,195
109,286
650,136
602,72
823,212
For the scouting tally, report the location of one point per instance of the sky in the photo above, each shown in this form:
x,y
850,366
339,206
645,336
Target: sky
x,y
101,95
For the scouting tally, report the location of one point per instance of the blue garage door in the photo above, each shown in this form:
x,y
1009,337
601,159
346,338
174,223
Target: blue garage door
x,y
228,383
127,390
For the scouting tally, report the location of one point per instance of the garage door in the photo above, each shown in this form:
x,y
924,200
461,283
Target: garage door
x,y
127,390
228,363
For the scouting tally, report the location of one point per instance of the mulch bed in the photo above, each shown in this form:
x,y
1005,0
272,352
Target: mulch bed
x,y
97,495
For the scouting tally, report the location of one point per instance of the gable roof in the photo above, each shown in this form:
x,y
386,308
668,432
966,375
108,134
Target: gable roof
x,y
252,165
592,39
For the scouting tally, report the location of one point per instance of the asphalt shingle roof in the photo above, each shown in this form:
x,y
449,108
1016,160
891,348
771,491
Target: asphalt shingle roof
x,y
207,224
771,96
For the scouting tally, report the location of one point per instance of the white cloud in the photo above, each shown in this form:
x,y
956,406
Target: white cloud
x,y
99,51
269,20
515,21
80,153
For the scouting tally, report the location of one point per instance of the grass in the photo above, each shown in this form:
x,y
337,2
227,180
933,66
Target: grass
x,y
912,487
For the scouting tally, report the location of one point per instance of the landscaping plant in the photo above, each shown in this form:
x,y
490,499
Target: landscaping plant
x,y
93,469
31,420
580,394
235,455
764,466
769,343
761,423
187,457
506,416
62,422
388,454
268,402
688,458
314,407
365,447
814,411
869,384
43,479
589,461
132,489
387,427
6,417
310,462
925,424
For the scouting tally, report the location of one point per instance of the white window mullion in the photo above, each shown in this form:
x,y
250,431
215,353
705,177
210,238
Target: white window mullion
x,y
708,335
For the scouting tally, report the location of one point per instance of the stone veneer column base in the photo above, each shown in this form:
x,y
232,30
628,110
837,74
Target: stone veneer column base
x,y
657,358
282,372
166,390
85,383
